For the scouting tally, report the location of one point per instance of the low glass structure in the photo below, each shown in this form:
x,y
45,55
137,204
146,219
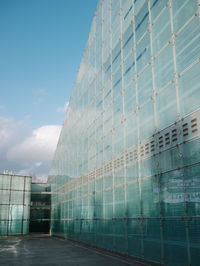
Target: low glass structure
x,y
14,204
126,172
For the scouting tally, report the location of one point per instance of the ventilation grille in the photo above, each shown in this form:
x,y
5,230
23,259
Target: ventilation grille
x,y
186,129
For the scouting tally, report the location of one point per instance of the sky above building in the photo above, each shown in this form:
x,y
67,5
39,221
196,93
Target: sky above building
x,y
41,44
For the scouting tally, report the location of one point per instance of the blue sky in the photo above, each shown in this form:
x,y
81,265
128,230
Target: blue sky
x,y
41,44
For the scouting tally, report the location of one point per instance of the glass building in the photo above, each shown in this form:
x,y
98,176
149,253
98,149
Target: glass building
x,y
126,172
14,204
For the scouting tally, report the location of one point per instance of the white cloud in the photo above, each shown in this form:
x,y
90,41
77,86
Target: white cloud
x,y
39,146
27,171
11,131
38,164
5,132
40,174
63,109
26,151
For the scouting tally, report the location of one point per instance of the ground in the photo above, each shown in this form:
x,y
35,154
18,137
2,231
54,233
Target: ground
x,y
46,250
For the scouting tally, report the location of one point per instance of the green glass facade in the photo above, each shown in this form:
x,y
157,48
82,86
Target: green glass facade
x,y
40,208
126,172
14,204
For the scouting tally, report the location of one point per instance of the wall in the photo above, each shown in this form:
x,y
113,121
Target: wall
x,y
14,204
125,176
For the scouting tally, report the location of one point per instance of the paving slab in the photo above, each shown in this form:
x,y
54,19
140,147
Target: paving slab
x,y
46,250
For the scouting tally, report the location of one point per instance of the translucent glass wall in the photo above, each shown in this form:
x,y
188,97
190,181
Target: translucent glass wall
x,y
14,204
126,172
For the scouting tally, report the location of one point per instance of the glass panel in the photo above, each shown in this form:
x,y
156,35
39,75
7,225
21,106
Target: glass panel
x,y
164,67
189,90
129,99
182,11
187,45
131,131
161,31
141,21
166,107
145,86
156,7
143,53
146,115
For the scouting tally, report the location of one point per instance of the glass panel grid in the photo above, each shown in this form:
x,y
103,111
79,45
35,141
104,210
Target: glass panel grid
x,y
125,175
14,204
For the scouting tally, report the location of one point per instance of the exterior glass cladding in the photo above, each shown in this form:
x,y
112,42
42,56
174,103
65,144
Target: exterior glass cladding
x,y
126,172
40,208
14,204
